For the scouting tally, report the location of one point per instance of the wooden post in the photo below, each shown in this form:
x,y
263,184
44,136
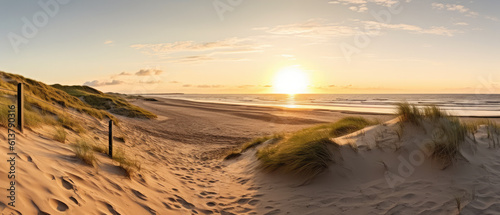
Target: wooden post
x,y
20,107
110,149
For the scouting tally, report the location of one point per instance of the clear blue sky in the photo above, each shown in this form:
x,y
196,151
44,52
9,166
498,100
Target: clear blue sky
x,y
196,47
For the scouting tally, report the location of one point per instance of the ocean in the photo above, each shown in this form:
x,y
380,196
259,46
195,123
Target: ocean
x,y
475,105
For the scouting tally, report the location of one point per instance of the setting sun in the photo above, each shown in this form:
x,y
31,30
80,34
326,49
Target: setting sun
x,y
291,80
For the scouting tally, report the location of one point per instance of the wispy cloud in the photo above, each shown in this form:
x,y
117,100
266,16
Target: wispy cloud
x,y
311,28
362,5
108,42
125,73
209,86
319,28
231,45
454,7
150,81
461,23
205,51
148,72
435,30
96,83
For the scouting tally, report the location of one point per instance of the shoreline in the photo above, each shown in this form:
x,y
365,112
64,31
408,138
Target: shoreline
x,y
316,108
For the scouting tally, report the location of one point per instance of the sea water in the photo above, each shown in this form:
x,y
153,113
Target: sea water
x,y
478,105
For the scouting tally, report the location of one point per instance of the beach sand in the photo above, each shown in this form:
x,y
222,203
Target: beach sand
x,y
182,170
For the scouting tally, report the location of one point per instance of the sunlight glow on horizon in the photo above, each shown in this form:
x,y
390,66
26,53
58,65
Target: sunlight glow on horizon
x,y
291,80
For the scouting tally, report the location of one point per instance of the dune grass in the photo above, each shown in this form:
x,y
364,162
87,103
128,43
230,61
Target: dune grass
x,y
493,131
60,135
448,133
129,165
113,103
409,113
84,151
307,152
51,95
251,144
100,148
257,141
38,100
66,121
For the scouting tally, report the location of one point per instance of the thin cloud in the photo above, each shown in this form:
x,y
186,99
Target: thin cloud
x,y
454,7
96,83
312,28
108,42
436,30
230,44
246,86
319,28
125,73
209,86
461,23
148,72
362,5
205,51
150,82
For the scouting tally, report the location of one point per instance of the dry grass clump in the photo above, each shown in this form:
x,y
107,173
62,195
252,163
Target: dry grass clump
x,y
472,128
409,113
493,131
96,147
448,131
70,123
449,134
297,156
84,151
307,152
129,165
60,135
51,95
105,101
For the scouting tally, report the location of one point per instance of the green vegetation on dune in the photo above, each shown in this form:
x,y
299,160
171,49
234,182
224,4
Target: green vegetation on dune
x,y
307,152
85,150
45,104
252,144
50,94
105,101
448,132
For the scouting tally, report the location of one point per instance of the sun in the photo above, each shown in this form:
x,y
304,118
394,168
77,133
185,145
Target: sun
x,y
291,80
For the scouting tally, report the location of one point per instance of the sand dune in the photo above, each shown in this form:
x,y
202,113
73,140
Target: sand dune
x,y
183,173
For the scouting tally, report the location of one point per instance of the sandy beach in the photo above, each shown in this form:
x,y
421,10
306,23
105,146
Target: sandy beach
x,y
183,171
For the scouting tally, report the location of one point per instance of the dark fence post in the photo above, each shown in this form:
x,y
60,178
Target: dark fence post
x,y
20,107
110,149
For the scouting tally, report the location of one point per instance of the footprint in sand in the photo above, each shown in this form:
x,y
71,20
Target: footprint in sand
x,y
68,183
184,203
167,205
58,205
242,201
273,212
73,199
49,176
139,195
110,208
253,202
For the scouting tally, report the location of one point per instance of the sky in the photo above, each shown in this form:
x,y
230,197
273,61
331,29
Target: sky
x,y
241,46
